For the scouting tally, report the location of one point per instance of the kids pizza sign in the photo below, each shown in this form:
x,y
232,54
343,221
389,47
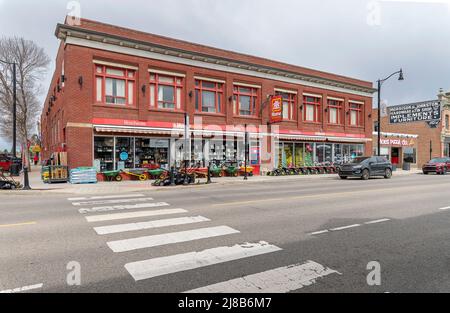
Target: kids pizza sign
x,y
276,109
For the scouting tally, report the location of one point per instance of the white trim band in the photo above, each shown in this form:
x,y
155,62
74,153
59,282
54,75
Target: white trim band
x,y
129,67
166,73
209,79
336,99
286,91
312,95
356,102
246,85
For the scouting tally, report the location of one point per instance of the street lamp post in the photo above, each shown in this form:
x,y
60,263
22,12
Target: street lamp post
x,y
380,83
14,147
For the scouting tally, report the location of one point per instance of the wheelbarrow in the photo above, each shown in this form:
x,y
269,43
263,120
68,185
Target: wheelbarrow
x,y
216,171
156,173
112,176
243,170
140,174
231,171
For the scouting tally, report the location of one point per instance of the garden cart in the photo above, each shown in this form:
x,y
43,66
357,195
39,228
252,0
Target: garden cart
x,y
112,176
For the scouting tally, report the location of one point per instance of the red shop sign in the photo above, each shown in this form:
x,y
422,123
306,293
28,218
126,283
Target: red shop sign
x,y
276,109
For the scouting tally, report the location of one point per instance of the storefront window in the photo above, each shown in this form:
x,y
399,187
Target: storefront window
x,y
409,155
124,153
356,151
288,152
338,154
320,156
152,153
328,153
104,153
299,153
309,154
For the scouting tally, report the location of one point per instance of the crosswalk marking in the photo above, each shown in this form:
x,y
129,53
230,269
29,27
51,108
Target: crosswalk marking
x,y
170,238
123,207
99,202
107,197
192,260
113,229
279,280
120,216
22,289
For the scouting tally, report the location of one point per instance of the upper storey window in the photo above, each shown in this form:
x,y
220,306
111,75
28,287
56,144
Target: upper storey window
x,y
311,110
166,91
208,96
245,101
115,85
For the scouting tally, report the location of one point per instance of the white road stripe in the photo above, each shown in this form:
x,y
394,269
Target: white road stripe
x,y
192,260
22,289
123,216
279,280
320,232
445,209
107,197
377,221
99,202
113,229
123,207
345,227
170,238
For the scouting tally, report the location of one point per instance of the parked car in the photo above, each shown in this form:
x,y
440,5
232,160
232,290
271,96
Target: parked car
x,y
366,167
437,165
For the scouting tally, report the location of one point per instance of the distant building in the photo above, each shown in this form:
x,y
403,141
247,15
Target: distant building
x,y
415,132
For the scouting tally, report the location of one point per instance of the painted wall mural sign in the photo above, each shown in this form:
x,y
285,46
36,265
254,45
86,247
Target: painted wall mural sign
x,y
428,111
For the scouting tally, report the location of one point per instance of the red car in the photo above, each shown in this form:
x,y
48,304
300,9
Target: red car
x,y
437,165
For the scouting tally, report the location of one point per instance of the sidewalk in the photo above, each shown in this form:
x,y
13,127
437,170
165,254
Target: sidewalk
x,y
137,186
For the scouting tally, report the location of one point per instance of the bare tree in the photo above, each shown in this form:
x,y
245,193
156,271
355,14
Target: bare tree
x,y
32,63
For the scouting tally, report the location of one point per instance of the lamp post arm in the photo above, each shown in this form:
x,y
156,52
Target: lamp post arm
x,y
381,81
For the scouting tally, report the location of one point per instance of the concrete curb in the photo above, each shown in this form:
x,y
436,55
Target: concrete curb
x,y
113,187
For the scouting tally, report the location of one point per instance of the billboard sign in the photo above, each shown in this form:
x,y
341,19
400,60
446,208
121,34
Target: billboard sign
x,y
429,111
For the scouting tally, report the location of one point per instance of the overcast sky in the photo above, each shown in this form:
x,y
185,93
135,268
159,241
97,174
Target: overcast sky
x,y
357,38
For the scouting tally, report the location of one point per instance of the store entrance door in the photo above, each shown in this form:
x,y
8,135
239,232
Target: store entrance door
x,y
395,156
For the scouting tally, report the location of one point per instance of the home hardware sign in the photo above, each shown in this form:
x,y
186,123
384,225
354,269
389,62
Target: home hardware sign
x,y
415,112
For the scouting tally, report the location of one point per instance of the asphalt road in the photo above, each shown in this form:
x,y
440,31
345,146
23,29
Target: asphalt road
x,y
319,234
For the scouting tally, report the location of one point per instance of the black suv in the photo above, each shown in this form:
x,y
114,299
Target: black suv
x,y
366,167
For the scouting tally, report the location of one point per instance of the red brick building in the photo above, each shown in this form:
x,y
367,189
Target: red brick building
x,y
415,132
118,99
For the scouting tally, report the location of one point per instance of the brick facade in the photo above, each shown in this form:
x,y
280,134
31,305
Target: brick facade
x,y
70,107
438,139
